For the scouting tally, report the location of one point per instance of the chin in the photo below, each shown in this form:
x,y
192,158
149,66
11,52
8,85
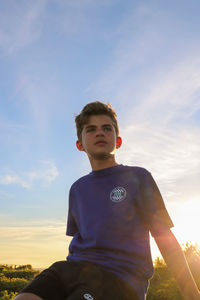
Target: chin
x,y
101,156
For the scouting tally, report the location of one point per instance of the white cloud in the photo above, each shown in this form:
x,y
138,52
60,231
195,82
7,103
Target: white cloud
x,y
47,173
13,179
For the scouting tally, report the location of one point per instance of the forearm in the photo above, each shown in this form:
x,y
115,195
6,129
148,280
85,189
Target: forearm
x,y
177,264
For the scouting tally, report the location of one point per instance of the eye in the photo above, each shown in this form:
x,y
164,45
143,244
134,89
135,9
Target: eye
x,y
90,129
108,128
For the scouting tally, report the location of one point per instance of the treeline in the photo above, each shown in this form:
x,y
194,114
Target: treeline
x,y
13,279
162,285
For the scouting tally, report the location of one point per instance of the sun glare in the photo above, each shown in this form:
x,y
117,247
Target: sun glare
x,y
186,217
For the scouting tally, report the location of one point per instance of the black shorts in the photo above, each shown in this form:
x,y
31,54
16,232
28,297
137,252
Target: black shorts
x,y
66,280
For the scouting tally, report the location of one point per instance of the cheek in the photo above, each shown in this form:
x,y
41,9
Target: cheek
x,y
113,137
85,141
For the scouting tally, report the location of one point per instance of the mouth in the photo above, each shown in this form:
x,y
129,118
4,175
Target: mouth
x,y
100,143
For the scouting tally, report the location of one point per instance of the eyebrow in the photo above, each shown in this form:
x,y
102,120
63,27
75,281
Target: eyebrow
x,y
104,125
94,126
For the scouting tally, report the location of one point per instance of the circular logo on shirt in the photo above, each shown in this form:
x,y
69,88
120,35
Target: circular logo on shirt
x,y
88,297
118,194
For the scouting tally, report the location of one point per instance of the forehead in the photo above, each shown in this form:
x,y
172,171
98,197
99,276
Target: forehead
x,y
98,120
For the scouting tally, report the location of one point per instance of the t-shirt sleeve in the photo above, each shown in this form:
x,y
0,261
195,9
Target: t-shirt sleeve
x,y
71,223
154,212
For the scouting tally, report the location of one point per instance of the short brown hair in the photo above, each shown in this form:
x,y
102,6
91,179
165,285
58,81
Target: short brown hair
x,y
95,108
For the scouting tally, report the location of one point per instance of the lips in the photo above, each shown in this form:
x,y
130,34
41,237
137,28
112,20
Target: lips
x,y
100,143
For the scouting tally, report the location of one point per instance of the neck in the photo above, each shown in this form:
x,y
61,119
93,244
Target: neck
x,y
102,164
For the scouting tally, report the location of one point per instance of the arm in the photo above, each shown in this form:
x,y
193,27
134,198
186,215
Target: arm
x,y
177,264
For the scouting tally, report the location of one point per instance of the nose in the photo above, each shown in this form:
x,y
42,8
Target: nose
x,y
99,132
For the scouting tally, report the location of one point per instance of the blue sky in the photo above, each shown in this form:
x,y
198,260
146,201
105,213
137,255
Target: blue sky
x,y
56,56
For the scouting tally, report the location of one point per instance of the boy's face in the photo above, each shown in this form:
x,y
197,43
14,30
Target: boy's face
x,y
99,138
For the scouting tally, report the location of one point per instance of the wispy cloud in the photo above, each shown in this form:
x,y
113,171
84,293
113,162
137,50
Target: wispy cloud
x,y
13,179
28,20
6,195
23,27
171,156
159,133
147,49
156,100
75,16
46,174
32,241
12,135
43,230
38,98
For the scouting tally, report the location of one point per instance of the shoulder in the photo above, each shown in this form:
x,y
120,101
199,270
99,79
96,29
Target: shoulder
x,y
137,170
80,181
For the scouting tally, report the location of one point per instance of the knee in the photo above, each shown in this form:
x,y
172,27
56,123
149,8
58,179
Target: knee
x,y
27,296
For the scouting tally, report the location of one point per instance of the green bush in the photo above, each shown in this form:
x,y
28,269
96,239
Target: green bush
x,y
162,286
26,274
4,295
12,285
14,279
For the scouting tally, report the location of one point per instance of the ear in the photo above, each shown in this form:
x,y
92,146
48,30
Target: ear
x,y
118,142
79,146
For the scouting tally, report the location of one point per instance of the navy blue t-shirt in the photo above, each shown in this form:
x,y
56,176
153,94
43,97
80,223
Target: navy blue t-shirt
x,y
111,212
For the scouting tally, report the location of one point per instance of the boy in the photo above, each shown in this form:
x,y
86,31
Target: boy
x,y
111,211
